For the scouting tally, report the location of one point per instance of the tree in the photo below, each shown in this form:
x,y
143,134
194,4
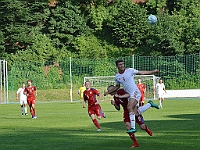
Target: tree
x,y
129,25
65,23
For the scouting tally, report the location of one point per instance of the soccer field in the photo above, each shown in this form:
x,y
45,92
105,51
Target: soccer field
x,y
65,125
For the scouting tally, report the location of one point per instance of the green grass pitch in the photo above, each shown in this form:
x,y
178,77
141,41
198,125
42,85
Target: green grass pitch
x,y
65,125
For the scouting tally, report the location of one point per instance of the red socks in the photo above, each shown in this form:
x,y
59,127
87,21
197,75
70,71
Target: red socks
x,y
96,123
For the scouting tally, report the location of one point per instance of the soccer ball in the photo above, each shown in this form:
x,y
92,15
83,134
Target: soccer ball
x,y
152,19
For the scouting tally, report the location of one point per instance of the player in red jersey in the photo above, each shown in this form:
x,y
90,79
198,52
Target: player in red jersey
x,y
31,93
142,89
89,96
121,98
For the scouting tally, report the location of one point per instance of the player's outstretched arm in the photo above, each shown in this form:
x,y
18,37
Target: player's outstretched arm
x,y
115,88
148,72
123,96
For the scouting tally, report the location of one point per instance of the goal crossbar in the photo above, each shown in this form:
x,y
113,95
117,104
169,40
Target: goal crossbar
x,y
102,82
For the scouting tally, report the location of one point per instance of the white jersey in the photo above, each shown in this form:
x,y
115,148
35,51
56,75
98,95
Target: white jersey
x,y
160,87
128,82
20,91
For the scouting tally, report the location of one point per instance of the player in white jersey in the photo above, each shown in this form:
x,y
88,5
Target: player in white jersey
x,y
126,78
23,99
160,88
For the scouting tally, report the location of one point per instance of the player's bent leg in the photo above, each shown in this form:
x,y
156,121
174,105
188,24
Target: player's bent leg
x,y
22,109
131,104
34,111
25,109
144,127
96,123
135,110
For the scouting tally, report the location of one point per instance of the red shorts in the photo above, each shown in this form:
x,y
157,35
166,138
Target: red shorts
x,y
95,109
30,102
142,98
138,121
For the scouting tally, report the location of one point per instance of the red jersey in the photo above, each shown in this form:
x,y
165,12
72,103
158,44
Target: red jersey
x,y
141,87
122,101
90,96
30,90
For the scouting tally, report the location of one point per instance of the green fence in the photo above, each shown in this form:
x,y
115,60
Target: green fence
x,y
54,80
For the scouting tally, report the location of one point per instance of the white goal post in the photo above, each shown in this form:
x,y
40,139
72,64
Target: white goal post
x,y
3,82
102,82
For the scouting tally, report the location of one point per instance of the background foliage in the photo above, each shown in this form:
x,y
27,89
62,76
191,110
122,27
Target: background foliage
x,y
40,34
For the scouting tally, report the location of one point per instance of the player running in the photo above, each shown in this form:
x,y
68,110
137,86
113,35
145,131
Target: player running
x,y
89,96
31,93
22,99
141,86
121,98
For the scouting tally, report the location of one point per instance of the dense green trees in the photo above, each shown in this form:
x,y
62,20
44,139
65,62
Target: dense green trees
x,y
98,28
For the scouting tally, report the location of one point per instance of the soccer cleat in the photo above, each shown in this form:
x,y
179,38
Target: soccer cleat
x,y
34,117
26,114
99,130
131,130
22,114
104,115
135,145
153,105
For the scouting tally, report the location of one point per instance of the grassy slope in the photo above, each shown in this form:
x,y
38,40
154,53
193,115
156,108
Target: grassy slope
x,y
67,126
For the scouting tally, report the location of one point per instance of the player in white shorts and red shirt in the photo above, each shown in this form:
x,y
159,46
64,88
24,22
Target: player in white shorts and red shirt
x,y
125,76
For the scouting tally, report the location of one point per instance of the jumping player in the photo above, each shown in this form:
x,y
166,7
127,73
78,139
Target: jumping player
x,y
22,99
31,93
141,86
89,96
126,78
121,98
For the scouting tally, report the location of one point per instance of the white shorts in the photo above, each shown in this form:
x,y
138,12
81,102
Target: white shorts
x,y
23,102
136,95
161,95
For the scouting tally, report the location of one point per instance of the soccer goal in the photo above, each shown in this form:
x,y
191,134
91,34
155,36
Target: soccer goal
x,y
102,82
3,82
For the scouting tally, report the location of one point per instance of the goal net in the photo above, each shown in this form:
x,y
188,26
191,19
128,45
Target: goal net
x,y
102,82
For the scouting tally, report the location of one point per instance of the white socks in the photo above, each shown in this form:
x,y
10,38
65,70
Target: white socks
x,y
132,119
25,109
160,104
144,108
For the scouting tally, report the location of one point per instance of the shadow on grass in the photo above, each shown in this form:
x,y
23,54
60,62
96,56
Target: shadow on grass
x,y
167,135
186,116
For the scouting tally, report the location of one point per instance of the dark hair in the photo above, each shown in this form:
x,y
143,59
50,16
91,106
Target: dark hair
x,y
118,61
87,81
110,86
30,81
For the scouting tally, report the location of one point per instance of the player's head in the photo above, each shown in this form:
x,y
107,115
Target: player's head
x,y
23,84
120,65
139,80
109,88
83,85
87,84
160,81
29,82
